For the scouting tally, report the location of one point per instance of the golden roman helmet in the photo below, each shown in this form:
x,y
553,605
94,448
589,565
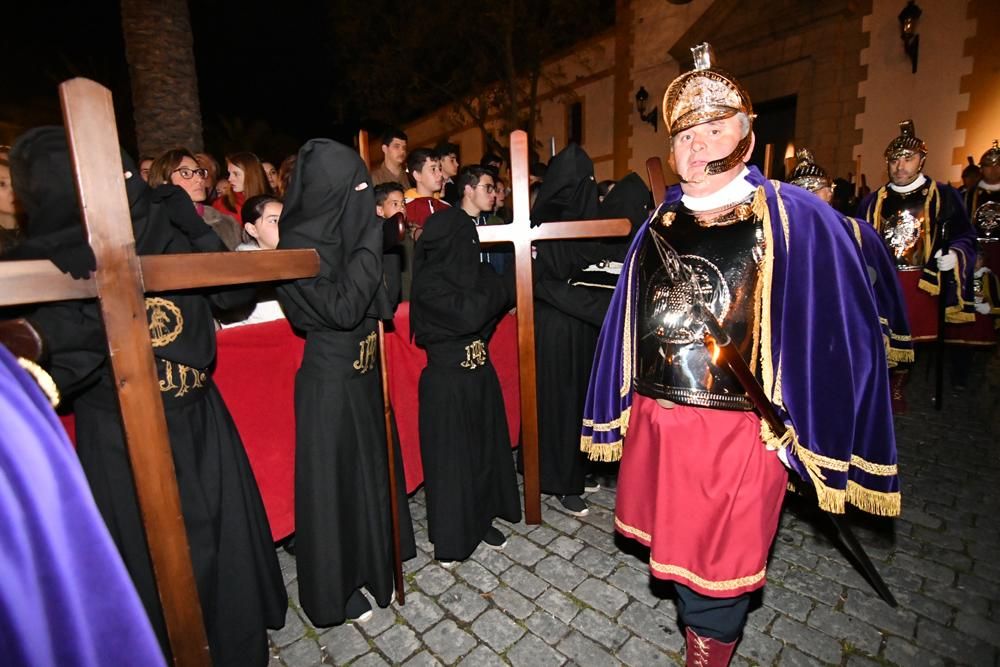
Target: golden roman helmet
x,y
906,144
991,158
807,174
704,94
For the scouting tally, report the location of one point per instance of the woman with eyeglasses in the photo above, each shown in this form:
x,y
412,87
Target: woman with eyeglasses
x,y
179,167
247,178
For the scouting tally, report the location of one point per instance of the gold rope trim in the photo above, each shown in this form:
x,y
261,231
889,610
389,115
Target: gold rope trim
x,y
898,356
881,469
874,502
43,379
724,585
633,531
776,396
608,452
856,228
627,350
767,278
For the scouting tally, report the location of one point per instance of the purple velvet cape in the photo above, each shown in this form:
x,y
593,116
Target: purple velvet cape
x,y
65,597
943,203
888,295
822,355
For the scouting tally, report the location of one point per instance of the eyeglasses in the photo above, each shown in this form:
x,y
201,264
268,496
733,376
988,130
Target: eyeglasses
x,y
490,189
187,173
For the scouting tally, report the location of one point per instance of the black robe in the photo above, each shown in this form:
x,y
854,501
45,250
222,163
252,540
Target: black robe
x,y
567,318
343,530
464,441
235,566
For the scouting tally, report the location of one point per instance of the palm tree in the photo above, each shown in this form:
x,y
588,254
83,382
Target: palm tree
x,y
160,54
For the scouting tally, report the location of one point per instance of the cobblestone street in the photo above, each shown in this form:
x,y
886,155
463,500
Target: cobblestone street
x,y
570,592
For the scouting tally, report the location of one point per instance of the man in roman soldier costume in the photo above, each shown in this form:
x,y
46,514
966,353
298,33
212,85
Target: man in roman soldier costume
x,y
983,204
925,226
702,476
876,257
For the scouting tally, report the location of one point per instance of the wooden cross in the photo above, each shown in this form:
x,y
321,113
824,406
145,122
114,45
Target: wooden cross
x,y
522,235
654,170
119,284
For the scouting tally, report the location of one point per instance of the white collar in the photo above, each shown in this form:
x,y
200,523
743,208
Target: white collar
x,y
733,192
983,185
917,183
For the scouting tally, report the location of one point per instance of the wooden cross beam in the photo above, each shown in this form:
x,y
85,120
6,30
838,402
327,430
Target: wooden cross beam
x,y
119,284
654,170
522,235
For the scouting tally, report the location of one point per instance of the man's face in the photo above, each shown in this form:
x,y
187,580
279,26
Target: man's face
x,y
905,169
482,196
825,193
395,152
991,173
392,205
449,165
144,166
694,148
429,178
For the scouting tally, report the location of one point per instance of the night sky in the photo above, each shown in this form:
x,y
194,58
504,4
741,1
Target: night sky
x,y
277,71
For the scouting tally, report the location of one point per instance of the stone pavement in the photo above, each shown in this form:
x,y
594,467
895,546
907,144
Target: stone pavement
x,y
568,592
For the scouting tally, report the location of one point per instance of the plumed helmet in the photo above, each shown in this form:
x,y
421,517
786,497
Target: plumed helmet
x,y
906,143
807,174
991,158
704,94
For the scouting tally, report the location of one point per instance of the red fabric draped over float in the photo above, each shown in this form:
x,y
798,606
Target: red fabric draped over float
x,y
255,372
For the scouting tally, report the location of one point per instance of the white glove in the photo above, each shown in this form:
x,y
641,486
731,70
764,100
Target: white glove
x,y
946,262
783,455
983,308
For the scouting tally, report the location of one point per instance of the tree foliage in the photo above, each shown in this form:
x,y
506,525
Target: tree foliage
x,y
484,61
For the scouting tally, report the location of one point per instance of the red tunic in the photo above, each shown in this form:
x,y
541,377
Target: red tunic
x,y
699,488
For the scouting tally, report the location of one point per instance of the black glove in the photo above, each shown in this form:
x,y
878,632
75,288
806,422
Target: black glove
x,y
393,231
180,210
76,260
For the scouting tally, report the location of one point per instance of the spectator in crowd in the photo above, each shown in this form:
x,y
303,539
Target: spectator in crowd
x,y
397,261
260,216
246,179
285,175
211,167
9,228
394,160
447,153
145,162
425,197
272,175
179,167
492,162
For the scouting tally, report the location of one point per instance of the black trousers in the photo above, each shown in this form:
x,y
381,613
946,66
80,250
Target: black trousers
x,y
718,618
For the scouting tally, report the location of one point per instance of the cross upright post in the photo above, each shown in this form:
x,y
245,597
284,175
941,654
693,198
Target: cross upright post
x,y
521,234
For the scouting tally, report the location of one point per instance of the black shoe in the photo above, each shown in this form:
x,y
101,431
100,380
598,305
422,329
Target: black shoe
x,y
591,483
358,608
574,505
494,538
609,482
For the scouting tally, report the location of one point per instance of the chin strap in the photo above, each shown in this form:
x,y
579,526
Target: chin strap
x,y
733,159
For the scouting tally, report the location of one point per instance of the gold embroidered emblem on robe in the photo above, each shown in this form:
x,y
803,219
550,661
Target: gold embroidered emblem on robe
x,y
367,349
165,320
475,355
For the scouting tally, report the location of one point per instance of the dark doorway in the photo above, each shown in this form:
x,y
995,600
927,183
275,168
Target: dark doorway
x,y
775,125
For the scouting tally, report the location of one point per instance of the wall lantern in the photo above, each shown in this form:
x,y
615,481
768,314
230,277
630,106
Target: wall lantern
x,y
652,116
908,31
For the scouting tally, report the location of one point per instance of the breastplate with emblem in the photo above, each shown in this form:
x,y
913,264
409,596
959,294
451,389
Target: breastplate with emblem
x,y
902,227
672,361
986,217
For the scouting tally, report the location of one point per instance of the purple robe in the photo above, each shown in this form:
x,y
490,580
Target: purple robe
x,y
65,596
822,355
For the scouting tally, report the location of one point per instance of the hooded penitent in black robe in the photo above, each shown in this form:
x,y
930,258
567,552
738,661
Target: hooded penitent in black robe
x,y
567,320
343,530
455,305
235,565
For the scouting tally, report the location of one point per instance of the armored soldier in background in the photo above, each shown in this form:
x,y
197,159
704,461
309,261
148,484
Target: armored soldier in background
x,y
983,204
925,226
701,480
876,256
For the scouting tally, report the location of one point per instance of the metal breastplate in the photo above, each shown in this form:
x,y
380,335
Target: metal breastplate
x,y
902,227
672,361
986,217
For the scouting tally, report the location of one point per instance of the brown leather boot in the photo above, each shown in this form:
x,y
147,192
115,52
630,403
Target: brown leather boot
x,y
897,385
707,652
